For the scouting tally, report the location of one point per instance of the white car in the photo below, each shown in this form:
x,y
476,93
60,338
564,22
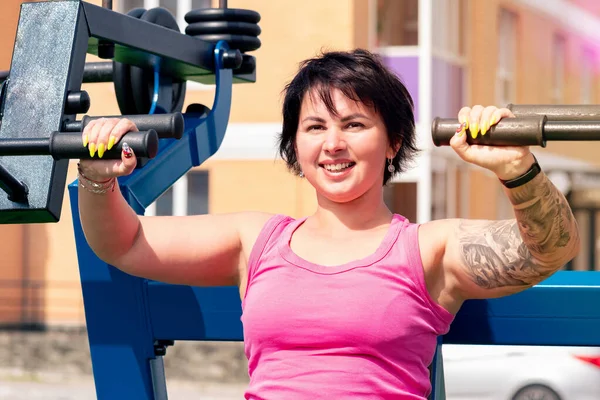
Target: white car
x,y
476,372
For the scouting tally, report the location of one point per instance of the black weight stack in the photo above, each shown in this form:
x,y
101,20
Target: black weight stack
x,y
238,27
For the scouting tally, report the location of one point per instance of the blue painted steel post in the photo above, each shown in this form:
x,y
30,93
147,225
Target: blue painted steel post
x,y
120,330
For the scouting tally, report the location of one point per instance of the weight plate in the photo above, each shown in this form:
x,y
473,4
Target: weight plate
x,y
142,80
222,27
122,80
235,42
222,14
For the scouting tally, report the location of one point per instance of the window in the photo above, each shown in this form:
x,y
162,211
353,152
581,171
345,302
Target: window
x,y
587,76
397,23
507,57
188,196
558,64
448,29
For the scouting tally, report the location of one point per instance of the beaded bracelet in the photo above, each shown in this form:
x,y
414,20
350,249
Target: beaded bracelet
x,y
93,186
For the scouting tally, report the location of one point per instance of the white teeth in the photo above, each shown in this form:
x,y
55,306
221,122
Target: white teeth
x,y
336,167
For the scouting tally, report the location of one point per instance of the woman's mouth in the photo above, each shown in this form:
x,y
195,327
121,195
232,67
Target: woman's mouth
x,y
338,168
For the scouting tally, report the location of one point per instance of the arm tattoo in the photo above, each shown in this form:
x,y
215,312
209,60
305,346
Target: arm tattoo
x,y
525,250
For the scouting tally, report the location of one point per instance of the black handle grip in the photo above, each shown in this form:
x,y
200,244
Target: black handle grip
x,y
508,132
167,126
68,145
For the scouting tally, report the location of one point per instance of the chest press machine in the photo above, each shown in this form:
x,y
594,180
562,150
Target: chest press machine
x,y
132,321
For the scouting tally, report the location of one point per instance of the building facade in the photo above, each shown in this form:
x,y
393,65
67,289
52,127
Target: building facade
x,y
449,53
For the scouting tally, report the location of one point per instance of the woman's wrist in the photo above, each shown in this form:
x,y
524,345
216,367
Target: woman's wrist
x,y
523,178
94,185
516,169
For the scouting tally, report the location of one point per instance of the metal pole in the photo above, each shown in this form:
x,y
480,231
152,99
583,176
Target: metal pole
x,y
222,3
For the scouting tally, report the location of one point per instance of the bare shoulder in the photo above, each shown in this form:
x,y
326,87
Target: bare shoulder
x,y
433,237
249,224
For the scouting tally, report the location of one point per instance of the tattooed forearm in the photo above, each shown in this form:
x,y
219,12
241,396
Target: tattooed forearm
x,y
525,250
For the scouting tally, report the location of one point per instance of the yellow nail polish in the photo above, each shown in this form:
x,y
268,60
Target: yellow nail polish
x,y
493,120
111,142
474,129
484,129
85,140
100,150
92,149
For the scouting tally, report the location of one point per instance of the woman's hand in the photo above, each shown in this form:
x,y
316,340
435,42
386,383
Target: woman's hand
x,y
101,135
507,162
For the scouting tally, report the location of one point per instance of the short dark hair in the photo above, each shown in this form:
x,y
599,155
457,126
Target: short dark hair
x,y
361,76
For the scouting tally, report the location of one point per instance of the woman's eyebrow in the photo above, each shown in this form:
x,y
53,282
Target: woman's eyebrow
x,y
353,116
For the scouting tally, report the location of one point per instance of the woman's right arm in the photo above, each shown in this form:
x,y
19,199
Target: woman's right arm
x,y
202,250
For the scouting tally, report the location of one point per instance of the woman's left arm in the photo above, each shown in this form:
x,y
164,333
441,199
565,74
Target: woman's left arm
x,y
497,258
484,258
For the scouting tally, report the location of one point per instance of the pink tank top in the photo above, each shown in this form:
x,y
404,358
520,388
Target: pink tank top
x,y
366,329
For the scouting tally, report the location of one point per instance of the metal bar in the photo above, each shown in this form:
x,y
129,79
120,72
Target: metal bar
x,y
139,42
592,238
572,130
98,72
68,145
555,112
159,381
95,72
25,147
511,131
15,189
533,130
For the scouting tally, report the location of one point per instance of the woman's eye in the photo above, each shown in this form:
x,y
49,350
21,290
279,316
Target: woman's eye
x,y
354,125
315,127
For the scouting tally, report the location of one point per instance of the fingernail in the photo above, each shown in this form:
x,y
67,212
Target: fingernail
x,y
484,129
493,120
85,140
127,150
111,142
92,149
100,150
461,129
465,122
474,129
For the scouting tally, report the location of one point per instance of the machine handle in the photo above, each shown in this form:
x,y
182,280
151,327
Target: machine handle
x,y
67,145
167,126
527,131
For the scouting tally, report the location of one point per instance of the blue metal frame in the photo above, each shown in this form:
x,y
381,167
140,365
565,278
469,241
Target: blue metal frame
x,y
118,306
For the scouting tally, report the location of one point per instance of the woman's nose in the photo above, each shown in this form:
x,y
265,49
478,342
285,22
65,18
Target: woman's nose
x,y
334,141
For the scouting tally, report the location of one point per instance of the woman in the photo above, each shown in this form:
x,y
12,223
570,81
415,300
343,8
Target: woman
x,y
347,302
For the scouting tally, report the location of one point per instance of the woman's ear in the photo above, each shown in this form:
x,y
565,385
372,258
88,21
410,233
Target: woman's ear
x,y
393,150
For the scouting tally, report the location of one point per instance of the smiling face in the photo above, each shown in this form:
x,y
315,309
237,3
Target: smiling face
x,y
343,156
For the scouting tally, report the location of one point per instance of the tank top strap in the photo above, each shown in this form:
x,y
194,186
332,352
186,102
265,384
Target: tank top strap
x,y
270,232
